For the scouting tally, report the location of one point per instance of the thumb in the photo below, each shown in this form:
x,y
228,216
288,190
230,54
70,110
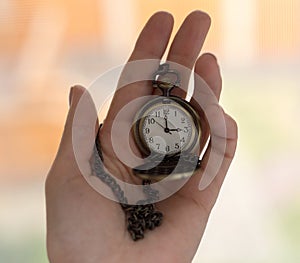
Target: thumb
x,y
81,122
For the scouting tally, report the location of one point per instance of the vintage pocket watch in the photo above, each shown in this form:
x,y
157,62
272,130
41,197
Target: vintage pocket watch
x,y
168,129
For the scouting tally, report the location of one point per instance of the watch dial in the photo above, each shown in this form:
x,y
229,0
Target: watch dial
x,y
167,128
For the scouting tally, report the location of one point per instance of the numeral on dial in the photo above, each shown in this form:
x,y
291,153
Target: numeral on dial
x,y
151,120
167,129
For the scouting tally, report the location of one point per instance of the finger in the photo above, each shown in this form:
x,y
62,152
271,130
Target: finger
x,y
81,123
187,45
208,69
206,183
220,154
150,46
154,38
207,80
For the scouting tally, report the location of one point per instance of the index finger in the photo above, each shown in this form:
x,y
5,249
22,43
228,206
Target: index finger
x,y
151,44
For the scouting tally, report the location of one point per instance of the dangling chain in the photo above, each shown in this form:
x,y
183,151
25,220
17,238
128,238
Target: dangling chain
x,y
142,215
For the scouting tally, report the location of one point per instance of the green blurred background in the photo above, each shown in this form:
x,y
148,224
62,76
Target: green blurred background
x,y
47,46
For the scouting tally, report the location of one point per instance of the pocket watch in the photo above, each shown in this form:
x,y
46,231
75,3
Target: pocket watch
x,y
167,129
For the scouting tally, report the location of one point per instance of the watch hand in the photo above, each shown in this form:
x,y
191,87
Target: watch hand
x,y
167,130
160,125
166,121
178,129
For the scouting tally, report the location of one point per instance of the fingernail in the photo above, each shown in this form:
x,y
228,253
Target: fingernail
x,y
71,96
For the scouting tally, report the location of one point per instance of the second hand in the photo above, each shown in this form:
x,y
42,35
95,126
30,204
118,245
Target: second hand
x,y
163,127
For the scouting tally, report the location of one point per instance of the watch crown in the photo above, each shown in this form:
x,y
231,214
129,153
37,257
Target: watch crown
x,y
165,79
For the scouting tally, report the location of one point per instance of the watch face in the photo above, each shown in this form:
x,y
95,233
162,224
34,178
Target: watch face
x,y
167,127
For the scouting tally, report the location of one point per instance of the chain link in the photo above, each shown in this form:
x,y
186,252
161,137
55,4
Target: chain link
x,y
142,215
159,167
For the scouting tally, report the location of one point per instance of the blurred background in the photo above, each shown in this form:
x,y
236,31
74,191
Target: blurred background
x,y
47,46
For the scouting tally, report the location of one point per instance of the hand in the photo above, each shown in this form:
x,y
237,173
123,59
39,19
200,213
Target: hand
x,y
159,124
178,129
166,122
167,130
84,226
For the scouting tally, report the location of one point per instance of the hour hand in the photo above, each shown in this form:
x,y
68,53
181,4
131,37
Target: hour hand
x,y
178,129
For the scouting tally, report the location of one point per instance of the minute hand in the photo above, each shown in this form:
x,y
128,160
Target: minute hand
x,y
166,121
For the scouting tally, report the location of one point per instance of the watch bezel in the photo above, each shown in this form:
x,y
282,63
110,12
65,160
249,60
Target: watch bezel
x,y
139,120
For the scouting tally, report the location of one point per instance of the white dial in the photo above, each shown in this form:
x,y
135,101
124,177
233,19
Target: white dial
x,y
167,128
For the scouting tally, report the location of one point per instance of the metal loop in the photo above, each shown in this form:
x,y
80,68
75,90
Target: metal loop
x,y
165,85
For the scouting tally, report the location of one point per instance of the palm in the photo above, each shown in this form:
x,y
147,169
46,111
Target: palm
x,y
84,226
94,226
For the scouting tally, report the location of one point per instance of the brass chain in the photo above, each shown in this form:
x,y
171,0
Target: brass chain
x,y
177,164
142,215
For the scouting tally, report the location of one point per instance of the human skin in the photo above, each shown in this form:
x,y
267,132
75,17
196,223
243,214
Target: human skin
x,y
84,226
